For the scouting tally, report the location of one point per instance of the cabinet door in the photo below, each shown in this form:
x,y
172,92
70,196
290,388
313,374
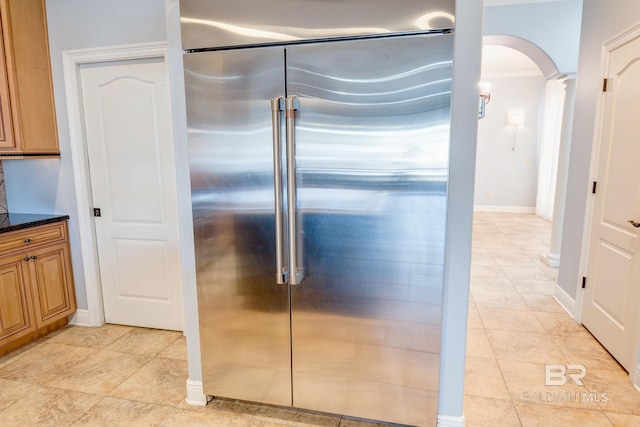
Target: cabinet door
x,y
28,74
16,317
7,141
52,283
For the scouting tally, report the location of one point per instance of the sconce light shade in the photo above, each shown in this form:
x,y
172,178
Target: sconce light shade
x,y
515,119
485,89
485,97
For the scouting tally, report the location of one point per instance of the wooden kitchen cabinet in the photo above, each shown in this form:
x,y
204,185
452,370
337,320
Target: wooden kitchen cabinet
x,y
16,316
50,275
36,284
28,120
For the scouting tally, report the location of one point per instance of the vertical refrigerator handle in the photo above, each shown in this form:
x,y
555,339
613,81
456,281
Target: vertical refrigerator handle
x,y
295,272
277,106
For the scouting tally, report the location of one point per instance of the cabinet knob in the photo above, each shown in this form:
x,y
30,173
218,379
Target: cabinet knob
x,y
25,258
27,240
33,257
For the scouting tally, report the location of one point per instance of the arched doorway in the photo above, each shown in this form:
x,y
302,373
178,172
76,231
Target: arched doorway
x,y
523,168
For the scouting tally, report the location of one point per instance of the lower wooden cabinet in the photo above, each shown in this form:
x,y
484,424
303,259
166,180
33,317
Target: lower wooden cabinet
x,y
16,315
50,274
36,285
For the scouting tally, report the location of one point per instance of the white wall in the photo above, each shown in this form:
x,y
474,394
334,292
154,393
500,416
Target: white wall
x,y
553,26
601,21
464,126
179,112
507,178
46,186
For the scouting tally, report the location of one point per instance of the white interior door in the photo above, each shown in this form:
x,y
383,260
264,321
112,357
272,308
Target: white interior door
x,y
128,128
612,295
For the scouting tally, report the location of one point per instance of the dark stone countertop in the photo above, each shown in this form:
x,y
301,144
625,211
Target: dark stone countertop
x,y
19,221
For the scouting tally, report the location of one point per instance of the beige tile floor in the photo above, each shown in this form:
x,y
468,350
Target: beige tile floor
x,y
123,376
516,328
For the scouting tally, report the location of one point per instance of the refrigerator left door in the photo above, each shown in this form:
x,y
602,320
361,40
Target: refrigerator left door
x,y
244,314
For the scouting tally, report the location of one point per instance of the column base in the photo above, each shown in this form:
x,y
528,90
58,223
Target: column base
x,y
195,394
450,421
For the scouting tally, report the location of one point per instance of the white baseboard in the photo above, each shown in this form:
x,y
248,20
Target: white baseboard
x,y
509,209
552,260
80,318
195,394
565,301
636,380
450,421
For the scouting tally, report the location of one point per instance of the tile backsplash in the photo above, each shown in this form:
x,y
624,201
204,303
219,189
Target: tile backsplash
x,y
3,193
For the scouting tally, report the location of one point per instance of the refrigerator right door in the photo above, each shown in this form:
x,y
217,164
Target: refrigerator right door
x,y
372,153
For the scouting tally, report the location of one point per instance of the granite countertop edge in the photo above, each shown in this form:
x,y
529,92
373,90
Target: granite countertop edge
x,y
18,221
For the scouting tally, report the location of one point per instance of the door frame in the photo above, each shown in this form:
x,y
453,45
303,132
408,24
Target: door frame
x,y
72,60
608,46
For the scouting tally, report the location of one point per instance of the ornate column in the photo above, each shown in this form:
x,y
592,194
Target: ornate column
x,y
553,257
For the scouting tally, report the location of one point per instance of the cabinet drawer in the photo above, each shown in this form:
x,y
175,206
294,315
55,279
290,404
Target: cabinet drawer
x,y
24,239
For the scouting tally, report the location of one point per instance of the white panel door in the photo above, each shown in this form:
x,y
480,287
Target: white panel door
x,y
612,295
128,126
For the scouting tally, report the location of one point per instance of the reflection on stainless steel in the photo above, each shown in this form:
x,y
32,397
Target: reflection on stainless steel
x,y
208,24
435,20
372,174
253,33
365,205
232,183
277,34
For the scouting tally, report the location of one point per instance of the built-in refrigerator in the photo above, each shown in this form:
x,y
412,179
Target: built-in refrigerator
x,y
319,163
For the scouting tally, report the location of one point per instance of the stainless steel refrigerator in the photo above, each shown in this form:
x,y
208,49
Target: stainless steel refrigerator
x,y
319,143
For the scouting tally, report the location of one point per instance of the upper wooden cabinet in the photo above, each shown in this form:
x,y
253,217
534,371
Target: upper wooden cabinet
x,y
28,119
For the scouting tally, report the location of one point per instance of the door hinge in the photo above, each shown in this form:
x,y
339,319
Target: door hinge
x,y
604,85
593,188
584,282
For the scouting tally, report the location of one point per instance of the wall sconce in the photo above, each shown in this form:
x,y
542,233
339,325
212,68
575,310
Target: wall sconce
x,y
515,119
485,97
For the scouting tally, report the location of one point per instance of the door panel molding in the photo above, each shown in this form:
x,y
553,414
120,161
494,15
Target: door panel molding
x,y
72,60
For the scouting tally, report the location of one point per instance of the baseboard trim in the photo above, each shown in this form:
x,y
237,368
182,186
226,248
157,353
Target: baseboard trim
x,y
636,380
552,260
195,394
80,318
509,209
565,301
450,421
